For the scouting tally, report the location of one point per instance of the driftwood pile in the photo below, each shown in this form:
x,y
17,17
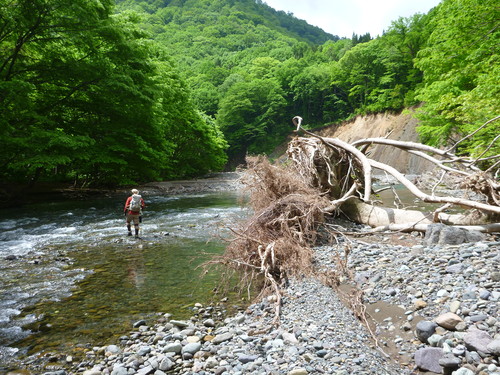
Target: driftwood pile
x,y
344,172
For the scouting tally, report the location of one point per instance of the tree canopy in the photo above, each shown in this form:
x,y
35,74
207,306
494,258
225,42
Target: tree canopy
x,y
86,96
96,93
461,68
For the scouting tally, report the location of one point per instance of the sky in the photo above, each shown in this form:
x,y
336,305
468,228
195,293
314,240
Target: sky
x,y
345,17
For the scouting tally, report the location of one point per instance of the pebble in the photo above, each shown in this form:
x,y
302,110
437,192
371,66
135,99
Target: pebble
x,y
318,334
448,320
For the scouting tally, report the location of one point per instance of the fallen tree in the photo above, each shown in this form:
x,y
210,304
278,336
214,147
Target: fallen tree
x,y
345,173
325,177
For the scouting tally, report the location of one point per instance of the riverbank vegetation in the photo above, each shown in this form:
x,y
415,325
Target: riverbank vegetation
x,y
103,94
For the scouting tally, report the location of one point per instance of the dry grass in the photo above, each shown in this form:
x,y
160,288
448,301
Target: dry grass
x,y
275,242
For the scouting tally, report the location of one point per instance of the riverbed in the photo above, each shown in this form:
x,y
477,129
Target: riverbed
x,y
71,276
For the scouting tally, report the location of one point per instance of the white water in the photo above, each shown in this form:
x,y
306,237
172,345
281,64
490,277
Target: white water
x,y
33,241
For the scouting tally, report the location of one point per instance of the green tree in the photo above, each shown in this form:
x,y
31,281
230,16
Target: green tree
x,y
407,36
461,68
45,47
87,96
311,88
251,117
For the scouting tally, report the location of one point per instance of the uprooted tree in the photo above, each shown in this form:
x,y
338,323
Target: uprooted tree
x,y
344,173
326,177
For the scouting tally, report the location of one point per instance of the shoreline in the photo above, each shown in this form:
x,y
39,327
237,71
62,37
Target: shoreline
x,y
319,334
407,285
19,196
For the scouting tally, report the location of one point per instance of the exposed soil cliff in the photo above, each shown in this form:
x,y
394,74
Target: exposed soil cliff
x,y
395,126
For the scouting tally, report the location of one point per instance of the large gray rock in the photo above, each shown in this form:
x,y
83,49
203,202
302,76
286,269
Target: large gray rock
x,y
246,358
166,364
463,371
119,370
477,340
494,347
180,323
191,348
427,359
143,350
174,347
222,337
425,329
112,350
450,361
441,234
145,370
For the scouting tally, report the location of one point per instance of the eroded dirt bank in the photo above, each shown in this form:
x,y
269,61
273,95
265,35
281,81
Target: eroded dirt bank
x,y
401,127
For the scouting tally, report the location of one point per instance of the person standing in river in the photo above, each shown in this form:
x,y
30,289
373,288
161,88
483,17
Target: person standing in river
x,y
133,211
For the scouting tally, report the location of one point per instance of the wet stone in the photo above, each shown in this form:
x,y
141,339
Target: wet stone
x,y
139,323
425,329
450,361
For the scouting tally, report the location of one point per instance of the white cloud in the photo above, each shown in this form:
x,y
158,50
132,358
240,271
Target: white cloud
x,y
343,18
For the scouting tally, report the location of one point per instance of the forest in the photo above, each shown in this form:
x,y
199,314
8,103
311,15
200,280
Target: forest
x,y
104,93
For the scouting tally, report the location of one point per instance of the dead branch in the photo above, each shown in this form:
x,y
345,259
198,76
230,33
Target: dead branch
x,y
376,217
474,132
414,147
327,176
433,199
275,242
334,205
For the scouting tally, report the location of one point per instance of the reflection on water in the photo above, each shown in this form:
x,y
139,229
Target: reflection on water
x,y
70,276
397,196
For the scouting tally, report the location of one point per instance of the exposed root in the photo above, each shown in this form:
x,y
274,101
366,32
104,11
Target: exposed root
x,y
353,298
355,303
275,243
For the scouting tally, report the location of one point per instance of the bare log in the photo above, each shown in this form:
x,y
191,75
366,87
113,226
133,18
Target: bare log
x,y
411,227
374,216
433,199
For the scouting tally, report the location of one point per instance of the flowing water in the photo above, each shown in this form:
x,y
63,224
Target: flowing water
x,y
69,275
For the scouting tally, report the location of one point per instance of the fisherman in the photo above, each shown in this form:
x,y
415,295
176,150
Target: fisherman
x,y
133,211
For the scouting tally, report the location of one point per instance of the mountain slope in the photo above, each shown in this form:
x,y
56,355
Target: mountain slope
x,y
211,12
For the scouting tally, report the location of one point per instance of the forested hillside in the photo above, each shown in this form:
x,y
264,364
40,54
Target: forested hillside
x,y
97,94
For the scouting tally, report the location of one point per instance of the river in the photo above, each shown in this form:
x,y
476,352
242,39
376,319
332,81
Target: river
x,y
70,276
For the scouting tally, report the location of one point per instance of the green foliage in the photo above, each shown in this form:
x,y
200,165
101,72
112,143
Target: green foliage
x,y
251,116
86,96
226,49
461,74
163,88
231,53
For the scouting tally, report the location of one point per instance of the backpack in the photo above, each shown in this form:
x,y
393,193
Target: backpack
x,y
135,203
